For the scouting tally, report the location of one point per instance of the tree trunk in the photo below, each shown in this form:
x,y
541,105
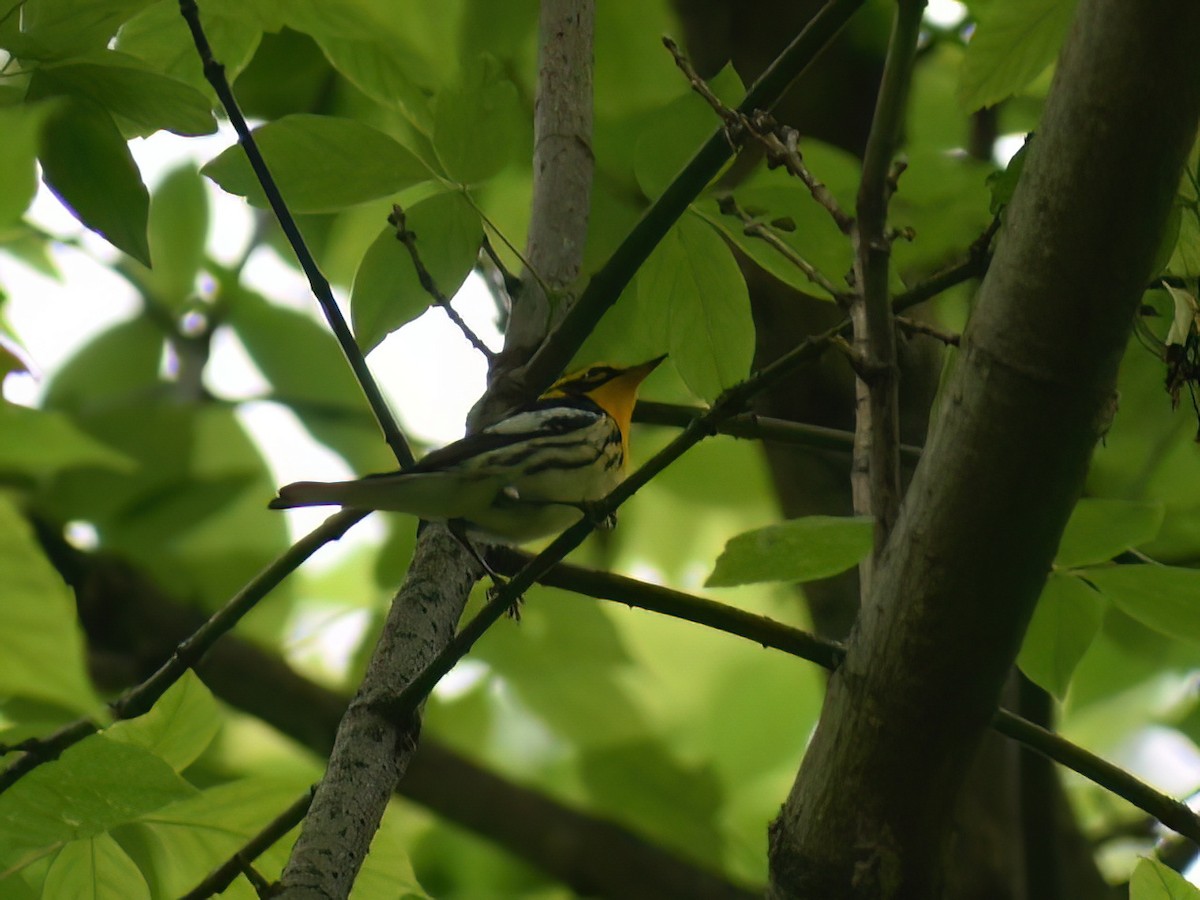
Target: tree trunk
x,y
869,814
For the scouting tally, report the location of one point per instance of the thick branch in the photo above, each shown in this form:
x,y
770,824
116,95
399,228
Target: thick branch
x,y
372,750
374,745
957,582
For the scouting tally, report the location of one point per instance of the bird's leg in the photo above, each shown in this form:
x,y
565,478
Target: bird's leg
x,y
458,528
594,512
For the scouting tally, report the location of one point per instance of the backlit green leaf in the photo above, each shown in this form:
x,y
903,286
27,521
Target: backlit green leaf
x,y
159,37
796,550
387,292
35,443
678,129
1152,880
21,126
87,164
93,787
1013,42
95,868
477,122
130,91
178,232
1101,528
691,293
1068,615
181,724
1165,598
40,624
321,164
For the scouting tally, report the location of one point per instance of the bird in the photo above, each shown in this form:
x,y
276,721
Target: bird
x,y
530,475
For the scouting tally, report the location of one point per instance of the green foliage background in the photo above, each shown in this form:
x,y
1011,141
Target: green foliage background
x,y
687,736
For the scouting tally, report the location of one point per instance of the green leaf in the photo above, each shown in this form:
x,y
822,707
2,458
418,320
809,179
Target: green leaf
x,y
1151,880
477,123
1003,184
691,292
130,91
178,844
1101,528
1012,44
95,868
21,127
321,164
178,233
178,728
159,37
117,365
639,783
1068,615
813,235
677,129
39,624
57,29
87,164
298,356
797,550
93,787
387,292
1161,597
386,70
588,705
38,443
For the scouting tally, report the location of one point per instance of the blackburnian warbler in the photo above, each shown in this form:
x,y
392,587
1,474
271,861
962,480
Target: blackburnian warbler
x,y
530,475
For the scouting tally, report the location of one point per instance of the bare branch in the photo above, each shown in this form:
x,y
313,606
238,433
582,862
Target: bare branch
x,y
409,239
242,862
215,73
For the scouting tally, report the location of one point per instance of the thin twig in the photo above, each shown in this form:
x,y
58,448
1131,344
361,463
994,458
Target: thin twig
x,y
409,239
241,863
139,699
780,144
829,654
756,427
974,265
214,72
512,284
754,227
912,326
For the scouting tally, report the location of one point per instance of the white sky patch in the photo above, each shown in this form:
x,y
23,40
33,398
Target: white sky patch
x,y
1006,147
945,13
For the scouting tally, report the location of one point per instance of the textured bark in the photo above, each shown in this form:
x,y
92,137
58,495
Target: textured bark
x,y
870,811
372,750
562,187
371,753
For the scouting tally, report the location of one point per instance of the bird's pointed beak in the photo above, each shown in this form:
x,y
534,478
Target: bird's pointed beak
x,y
639,372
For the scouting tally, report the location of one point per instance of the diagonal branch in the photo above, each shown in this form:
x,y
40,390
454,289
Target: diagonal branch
x,y
214,72
614,276
126,616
